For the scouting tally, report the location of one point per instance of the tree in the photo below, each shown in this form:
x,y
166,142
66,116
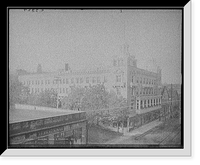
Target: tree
x,y
88,98
47,98
73,100
18,93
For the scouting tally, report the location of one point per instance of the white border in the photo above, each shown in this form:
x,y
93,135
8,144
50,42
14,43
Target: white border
x,y
134,152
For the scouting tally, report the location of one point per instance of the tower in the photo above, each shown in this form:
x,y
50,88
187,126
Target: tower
x,y
159,75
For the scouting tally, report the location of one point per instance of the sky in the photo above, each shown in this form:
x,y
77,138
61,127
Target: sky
x,y
90,38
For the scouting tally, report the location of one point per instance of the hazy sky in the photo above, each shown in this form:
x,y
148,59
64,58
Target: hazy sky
x,y
86,38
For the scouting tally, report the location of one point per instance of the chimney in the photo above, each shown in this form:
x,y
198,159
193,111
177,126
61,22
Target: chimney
x,y
66,67
39,68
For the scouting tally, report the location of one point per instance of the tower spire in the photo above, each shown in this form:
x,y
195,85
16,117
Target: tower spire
x,y
125,46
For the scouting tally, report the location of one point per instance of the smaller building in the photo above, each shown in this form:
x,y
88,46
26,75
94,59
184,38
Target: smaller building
x,y
170,101
165,112
33,126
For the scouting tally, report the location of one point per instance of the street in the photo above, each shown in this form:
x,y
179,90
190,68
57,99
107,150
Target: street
x,y
162,133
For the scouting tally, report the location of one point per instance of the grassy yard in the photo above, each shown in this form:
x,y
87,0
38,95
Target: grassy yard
x,y
99,135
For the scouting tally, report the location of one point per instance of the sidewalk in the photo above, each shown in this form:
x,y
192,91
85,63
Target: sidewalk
x,y
137,131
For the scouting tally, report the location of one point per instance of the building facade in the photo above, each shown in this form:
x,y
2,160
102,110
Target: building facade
x,y
139,86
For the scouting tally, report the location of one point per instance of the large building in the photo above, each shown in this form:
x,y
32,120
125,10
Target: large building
x,y
139,86
32,126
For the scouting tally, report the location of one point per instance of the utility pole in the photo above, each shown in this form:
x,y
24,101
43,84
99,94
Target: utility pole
x,y
57,79
171,99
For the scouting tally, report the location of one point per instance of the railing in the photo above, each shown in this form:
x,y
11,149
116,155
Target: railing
x,y
32,107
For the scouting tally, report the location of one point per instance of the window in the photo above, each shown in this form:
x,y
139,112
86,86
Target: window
x,y
118,78
118,91
94,80
132,105
81,80
114,63
63,90
72,80
121,62
41,82
105,79
118,62
63,81
138,104
77,80
132,91
98,79
66,81
141,106
87,80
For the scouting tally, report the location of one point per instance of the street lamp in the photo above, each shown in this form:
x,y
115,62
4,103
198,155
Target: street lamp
x,y
57,79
